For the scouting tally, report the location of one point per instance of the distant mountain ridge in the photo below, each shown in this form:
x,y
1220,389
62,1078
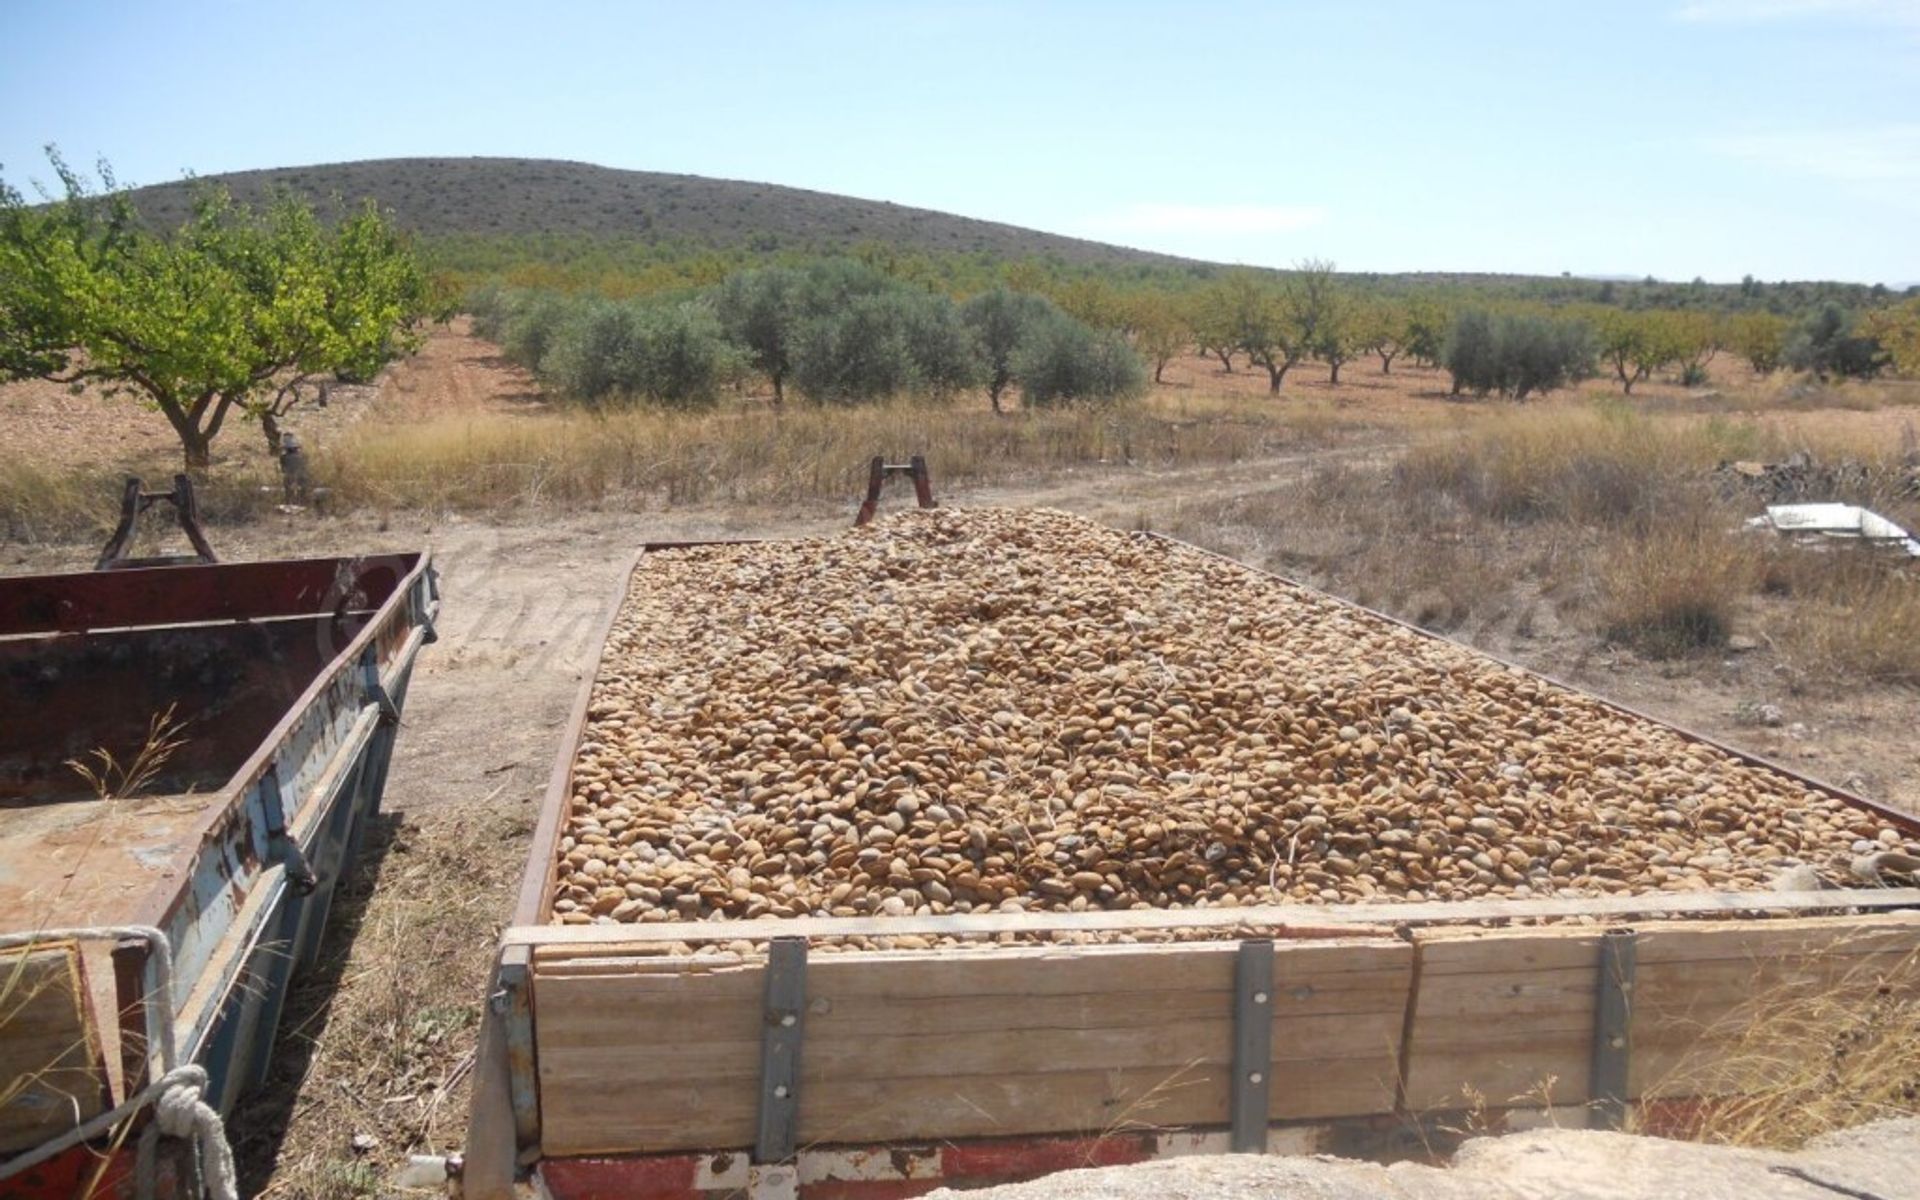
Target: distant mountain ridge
x,y
482,196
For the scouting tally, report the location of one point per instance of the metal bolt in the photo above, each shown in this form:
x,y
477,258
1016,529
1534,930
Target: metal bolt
x,y
1259,997
789,1020
1617,1042
1255,1077
780,1091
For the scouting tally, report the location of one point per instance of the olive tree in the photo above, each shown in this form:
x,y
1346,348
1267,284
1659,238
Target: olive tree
x,y
759,310
1063,361
1000,319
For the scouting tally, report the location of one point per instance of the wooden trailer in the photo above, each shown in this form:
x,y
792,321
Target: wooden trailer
x,y
776,1062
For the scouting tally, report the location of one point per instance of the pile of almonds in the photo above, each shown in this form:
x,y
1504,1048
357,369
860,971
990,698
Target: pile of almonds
x,y
999,710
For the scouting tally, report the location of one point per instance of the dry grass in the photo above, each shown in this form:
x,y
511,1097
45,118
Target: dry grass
x,y
378,1038
1678,588
644,457
1804,1059
1601,519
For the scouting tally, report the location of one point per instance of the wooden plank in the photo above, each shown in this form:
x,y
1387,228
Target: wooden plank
x,y
1079,1029
1505,1011
839,1052
1282,921
661,1117
1762,940
52,1073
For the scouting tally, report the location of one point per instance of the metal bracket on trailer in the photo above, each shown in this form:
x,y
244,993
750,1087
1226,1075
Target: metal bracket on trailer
x,y
785,1020
1612,1030
281,846
377,691
512,1002
1249,1100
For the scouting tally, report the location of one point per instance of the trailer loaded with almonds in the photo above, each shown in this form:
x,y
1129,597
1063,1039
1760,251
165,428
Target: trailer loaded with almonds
x,y
971,844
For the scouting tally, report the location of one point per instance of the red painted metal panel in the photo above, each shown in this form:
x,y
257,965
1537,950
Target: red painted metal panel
x,y
1028,1158
652,1177
869,1189
191,594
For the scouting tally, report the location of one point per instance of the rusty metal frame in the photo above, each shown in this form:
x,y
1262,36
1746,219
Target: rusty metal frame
x,y
133,502
879,470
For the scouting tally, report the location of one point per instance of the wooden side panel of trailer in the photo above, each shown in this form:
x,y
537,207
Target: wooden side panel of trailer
x,y
1507,1016
644,1053
664,1054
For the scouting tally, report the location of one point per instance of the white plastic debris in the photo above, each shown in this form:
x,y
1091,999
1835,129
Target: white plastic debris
x,y
1847,522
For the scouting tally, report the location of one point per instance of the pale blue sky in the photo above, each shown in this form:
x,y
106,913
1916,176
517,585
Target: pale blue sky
x,y
1672,137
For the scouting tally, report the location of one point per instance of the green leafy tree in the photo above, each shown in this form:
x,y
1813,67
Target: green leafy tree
x,y
1826,345
1471,354
1630,344
1160,329
214,317
1897,330
1515,354
1272,325
941,345
1760,338
759,310
1062,361
1211,313
1428,322
1383,326
857,354
1000,319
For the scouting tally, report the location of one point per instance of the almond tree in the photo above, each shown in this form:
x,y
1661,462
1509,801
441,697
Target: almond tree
x,y
215,317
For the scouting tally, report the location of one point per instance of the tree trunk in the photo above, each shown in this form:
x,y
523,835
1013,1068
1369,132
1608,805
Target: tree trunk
x,y
270,425
199,450
1226,360
1386,363
779,396
1159,368
1334,380
1274,376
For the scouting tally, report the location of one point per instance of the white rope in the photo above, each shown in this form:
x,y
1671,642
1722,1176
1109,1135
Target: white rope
x,y
180,1111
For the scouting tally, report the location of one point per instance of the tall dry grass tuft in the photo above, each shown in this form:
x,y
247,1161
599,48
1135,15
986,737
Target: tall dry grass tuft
x,y
1848,612
1606,465
1798,1061
1678,588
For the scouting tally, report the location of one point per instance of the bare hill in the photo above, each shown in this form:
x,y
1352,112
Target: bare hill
x,y
443,196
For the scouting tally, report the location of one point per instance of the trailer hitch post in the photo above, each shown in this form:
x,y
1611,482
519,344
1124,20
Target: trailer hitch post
x,y
879,470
